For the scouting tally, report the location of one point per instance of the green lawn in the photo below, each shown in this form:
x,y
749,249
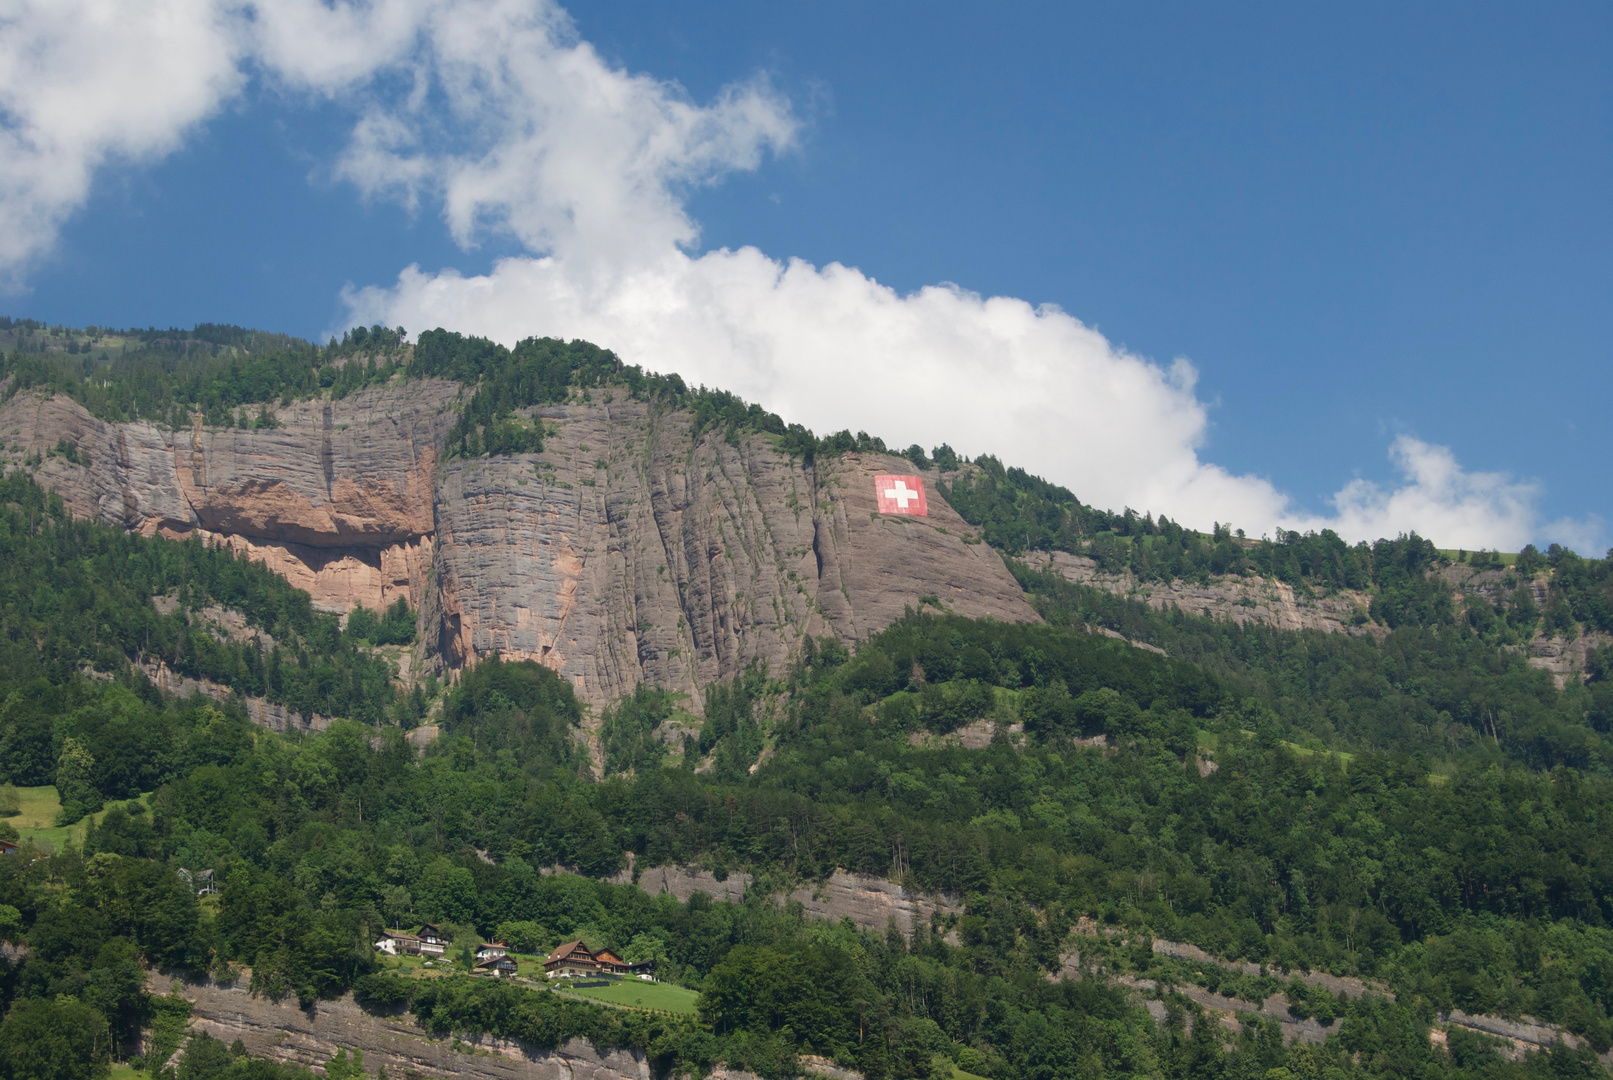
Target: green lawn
x,y
638,994
1507,558
40,806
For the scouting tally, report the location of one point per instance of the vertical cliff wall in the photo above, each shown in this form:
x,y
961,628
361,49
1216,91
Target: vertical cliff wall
x,y
338,498
308,1038
627,550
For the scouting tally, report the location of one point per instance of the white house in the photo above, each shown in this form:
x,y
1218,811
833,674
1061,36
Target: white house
x,y
398,944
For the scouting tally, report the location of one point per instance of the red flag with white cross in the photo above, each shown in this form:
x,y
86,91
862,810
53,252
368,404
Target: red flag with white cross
x,y
900,495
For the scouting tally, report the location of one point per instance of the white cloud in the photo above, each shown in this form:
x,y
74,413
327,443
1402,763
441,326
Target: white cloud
x,y
83,82
495,107
1440,500
496,111
832,348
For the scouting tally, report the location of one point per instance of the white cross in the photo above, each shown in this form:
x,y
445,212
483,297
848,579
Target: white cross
x,y
900,494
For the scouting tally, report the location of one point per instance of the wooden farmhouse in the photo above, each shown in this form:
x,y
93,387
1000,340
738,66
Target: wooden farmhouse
x,y
500,967
574,960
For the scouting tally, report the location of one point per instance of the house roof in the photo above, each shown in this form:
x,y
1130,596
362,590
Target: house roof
x,y
609,957
496,961
399,937
570,950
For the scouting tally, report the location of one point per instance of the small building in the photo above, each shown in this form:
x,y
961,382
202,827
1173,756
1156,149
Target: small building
x,y
7,847
492,949
574,960
610,963
200,880
500,966
432,940
398,944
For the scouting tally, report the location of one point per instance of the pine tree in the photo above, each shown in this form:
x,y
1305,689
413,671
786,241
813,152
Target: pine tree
x,y
75,772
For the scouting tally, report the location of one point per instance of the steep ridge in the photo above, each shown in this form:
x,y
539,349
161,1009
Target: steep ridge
x,y
337,499
280,1031
628,550
1236,598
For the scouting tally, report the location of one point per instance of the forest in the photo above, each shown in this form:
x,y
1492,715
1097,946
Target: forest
x,y
1379,832
1415,807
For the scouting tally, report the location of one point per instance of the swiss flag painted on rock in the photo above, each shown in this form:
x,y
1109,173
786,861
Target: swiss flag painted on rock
x,y
900,495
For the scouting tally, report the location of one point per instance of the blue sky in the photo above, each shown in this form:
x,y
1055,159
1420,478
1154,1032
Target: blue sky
x,y
1359,224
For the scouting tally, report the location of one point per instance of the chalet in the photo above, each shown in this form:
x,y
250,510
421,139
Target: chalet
x,y
500,966
610,963
570,961
200,880
492,950
7,847
433,942
398,944
574,960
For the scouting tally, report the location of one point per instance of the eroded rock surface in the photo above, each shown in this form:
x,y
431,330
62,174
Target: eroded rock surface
x,y
872,903
338,498
283,1032
629,550
1240,599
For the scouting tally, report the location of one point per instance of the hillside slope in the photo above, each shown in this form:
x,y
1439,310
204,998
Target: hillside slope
x,y
628,550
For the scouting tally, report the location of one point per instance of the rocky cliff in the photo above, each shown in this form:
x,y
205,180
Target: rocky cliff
x,y
1239,599
628,550
631,550
338,498
871,903
307,1038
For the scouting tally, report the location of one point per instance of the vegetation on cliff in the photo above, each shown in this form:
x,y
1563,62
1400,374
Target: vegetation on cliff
x,y
1419,808
1483,889
83,597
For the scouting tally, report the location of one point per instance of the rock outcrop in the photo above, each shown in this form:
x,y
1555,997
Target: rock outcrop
x,y
338,498
871,903
628,550
306,1038
1240,599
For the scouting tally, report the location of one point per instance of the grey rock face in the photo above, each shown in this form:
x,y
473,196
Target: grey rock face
x,y
872,903
630,551
283,1032
627,551
338,499
1238,599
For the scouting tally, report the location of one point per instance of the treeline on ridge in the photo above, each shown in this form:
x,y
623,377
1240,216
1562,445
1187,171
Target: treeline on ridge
x,y
77,598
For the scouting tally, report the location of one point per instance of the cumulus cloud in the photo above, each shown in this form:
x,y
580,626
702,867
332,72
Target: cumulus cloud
x,y
832,348
493,107
85,82
1439,499
496,111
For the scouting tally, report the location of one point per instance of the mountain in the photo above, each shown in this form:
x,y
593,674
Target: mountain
x,y
533,645
628,550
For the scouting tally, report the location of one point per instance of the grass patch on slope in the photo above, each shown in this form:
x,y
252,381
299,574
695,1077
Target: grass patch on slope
x,y
37,820
637,994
